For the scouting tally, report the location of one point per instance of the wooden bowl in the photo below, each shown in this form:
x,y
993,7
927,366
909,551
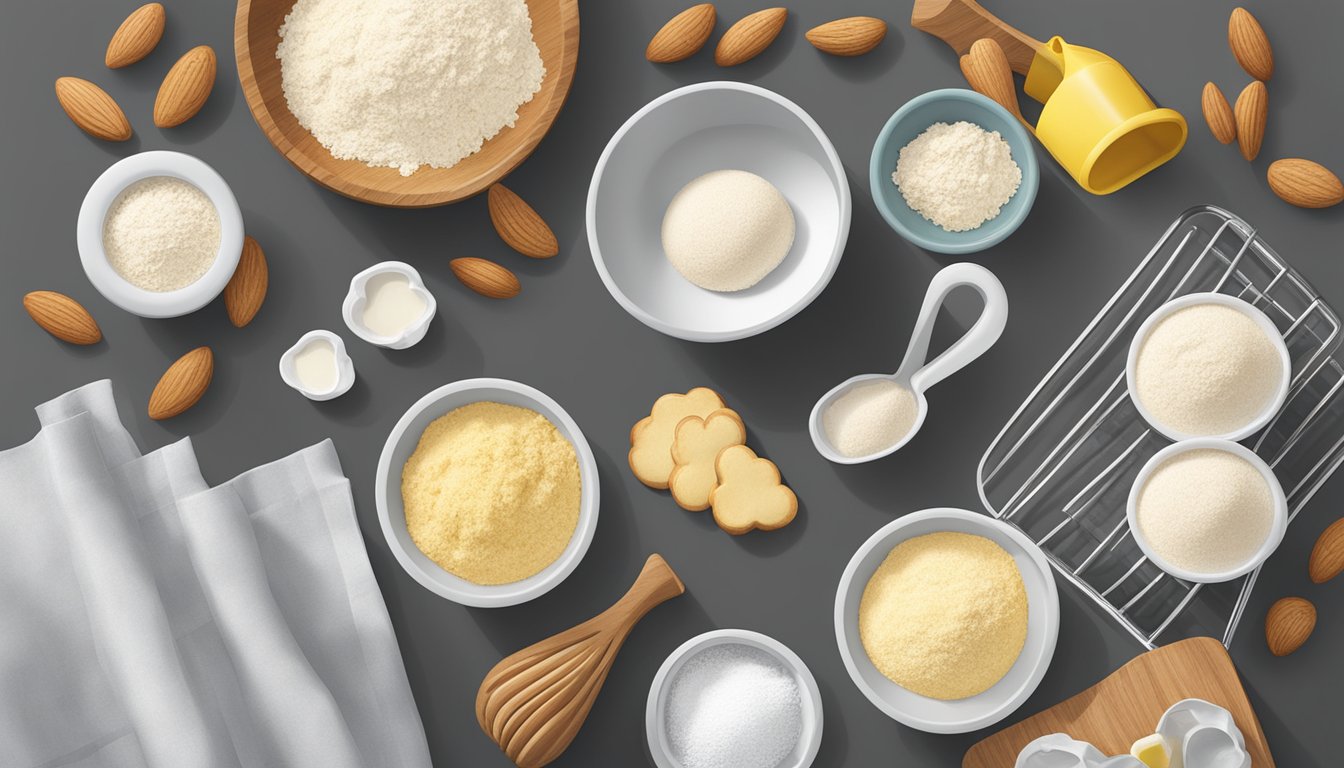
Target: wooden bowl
x,y
555,28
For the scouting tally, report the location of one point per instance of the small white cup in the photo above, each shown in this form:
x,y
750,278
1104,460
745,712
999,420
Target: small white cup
x,y
345,367
353,307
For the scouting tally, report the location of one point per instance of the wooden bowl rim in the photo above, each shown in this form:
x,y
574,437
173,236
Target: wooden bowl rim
x,y
310,167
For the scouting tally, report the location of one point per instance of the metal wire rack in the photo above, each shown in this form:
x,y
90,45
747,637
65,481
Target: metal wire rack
x,y
1061,469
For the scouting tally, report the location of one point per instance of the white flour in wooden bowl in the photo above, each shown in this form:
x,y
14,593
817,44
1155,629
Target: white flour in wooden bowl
x,y
405,83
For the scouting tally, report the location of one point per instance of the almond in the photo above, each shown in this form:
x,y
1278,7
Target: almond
x,y
246,290
1288,624
1327,557
853,36
751,35
1249,44
62,317
486,277
1250,114
136,37
519,225
683,36
185,88
1218,114
89,106
1304,183
182,385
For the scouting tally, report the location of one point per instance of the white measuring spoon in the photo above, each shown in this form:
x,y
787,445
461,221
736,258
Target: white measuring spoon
x,y
916,376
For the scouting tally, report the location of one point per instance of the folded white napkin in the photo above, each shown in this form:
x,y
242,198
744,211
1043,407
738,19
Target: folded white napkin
x,y
150,621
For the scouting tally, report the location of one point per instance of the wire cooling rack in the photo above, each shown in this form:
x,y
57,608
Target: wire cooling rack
x,y
1061,469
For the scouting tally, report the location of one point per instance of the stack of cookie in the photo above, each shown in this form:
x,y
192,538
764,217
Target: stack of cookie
x,y
695,446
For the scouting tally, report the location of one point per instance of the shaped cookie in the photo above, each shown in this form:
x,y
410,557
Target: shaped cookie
x,y
651,438
696,445
750,494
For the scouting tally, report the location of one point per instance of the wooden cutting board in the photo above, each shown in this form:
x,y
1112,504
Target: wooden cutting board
x,y
1126,706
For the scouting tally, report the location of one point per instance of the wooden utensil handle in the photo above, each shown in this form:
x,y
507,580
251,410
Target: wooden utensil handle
x,y
959,23
657,583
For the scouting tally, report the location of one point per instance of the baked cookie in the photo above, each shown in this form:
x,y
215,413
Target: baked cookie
x,y
651,438
696,445
750,495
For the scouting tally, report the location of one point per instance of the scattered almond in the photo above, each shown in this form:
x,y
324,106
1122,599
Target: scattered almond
x,y
1327,557
519,225
246,290
486,277
853,36
1250,113
751,35
683,36
183,384
1250,45
186,87
1218,114
1304,183
1288,624
62,317
136,37
89,106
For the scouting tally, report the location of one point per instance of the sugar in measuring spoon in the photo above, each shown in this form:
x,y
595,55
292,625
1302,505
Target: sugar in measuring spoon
x,y
894,404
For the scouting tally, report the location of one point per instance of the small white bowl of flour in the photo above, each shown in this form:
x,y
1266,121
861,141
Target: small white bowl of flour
x,y
1208,365
160,234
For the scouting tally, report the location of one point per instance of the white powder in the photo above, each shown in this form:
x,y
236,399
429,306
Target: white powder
x,y
161,234
406,83
1207,369
1206,511
957,176
733,706
869,417
726,230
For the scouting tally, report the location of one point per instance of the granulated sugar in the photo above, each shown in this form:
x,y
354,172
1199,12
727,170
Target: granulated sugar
x,y
733,706
727,230
870,417
1206,511
957,176
1207,369
406,83
161,234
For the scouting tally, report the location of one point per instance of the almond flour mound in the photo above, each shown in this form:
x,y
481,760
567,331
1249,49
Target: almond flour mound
x,y
161,234
945,615
405,83
957,176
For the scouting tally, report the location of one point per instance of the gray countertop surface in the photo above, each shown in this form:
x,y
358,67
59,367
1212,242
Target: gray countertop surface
x,y
567,337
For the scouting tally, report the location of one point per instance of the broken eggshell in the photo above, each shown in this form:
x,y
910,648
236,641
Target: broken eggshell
x,y
353,307
345,367
1057,750
1203,735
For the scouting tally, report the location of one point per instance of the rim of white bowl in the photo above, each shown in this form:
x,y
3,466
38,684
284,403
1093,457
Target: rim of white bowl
x,y
888,536
1278,526
833,263
655,709
104,191
1271,409
455,588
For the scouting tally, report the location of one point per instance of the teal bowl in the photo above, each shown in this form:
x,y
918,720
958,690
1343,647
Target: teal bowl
x,y
948,106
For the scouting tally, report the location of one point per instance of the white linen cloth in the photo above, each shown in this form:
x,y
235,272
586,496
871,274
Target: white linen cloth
x,y
150,621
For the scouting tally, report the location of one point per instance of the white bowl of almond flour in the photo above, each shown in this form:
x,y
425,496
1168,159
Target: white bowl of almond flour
x,y
160,234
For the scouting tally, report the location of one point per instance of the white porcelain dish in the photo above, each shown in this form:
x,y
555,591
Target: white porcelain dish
x,y
345,367
655,712
962,715
1189,300
391,515
89,234
352,309
685,134
1277,529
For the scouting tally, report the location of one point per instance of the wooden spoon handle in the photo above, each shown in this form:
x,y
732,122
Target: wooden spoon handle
x,y
986,69
959,23
656,584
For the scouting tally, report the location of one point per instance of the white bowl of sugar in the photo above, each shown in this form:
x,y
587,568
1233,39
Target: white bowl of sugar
x,y
160,234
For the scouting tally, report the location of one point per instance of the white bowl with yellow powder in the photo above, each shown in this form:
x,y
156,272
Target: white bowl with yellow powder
x,y
487,492
995,556
160,234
